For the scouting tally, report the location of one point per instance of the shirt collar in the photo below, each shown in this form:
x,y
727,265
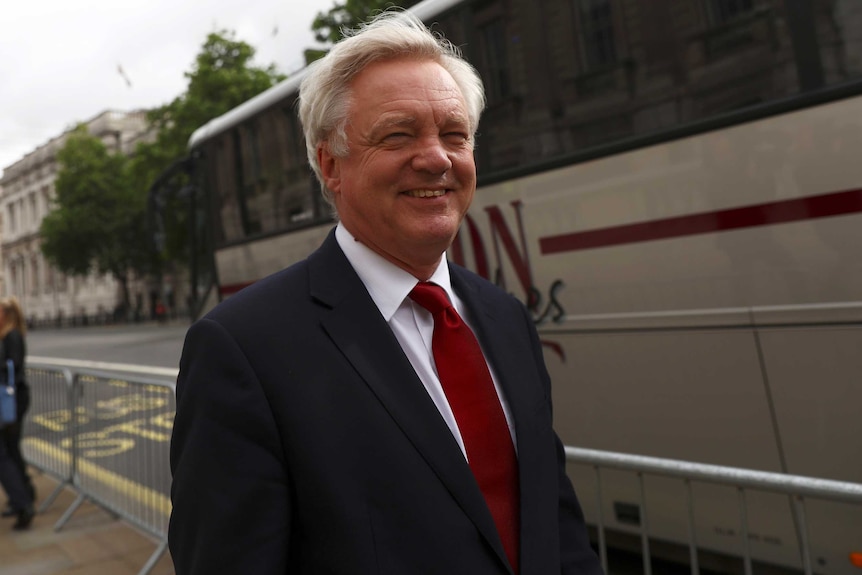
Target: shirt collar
x,y
387,284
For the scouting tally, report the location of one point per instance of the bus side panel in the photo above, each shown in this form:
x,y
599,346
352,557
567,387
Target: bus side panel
x,y
700,300
245,263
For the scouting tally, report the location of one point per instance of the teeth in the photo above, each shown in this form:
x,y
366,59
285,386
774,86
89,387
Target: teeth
x,y
426,193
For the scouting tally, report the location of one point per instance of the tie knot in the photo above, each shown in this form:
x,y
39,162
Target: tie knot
x,y
430,296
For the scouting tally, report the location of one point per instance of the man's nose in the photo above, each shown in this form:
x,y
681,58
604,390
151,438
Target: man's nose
x,y
432,157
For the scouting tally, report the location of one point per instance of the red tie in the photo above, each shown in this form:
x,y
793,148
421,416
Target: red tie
x,y
470,391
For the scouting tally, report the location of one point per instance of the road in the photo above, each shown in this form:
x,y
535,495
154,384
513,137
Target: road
x,y
153,345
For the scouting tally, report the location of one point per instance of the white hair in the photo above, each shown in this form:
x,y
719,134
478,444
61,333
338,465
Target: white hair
x,y
324,94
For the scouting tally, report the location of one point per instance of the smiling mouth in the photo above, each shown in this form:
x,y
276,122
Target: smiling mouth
x,y
425,193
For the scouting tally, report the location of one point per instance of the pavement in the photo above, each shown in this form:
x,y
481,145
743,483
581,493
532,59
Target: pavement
x,y
92,542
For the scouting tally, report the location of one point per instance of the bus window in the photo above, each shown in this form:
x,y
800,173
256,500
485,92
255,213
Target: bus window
x,y
598,45
252,191
224,181
261,178
301,196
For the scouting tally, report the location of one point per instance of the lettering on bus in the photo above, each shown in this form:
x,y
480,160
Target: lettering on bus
x,y
544,306
752,536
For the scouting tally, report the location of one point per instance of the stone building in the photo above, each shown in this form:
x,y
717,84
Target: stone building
x,y
26,196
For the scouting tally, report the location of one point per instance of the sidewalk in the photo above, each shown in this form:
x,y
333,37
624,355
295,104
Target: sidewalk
x,y
92,542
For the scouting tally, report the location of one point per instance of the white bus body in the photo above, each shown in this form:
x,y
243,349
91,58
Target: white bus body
x,y
699,296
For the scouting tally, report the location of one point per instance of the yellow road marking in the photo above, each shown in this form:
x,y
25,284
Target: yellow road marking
x,y
140,493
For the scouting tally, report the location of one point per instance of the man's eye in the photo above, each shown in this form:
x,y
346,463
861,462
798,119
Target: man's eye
x,y
456,137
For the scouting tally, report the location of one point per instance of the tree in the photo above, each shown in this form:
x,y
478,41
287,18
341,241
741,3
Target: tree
x,y
328,26
96,224
101,205
222,78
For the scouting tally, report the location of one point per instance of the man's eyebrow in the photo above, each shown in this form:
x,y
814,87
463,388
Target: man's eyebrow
x,y
394,122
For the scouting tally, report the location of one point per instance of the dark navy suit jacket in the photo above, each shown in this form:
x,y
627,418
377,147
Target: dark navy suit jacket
x,y
305,443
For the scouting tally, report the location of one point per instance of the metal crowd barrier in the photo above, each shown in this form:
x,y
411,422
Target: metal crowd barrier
x,y
798,488
105,435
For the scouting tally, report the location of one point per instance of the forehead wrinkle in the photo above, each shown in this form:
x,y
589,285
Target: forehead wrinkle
x,y
397,121
456,116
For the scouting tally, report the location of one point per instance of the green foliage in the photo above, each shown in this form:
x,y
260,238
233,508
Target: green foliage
x,y
100,218
222,78
328,26
97,223
313,54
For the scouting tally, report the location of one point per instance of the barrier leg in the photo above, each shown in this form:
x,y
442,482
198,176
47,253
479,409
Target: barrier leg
x,y
154,558
50,499
69,512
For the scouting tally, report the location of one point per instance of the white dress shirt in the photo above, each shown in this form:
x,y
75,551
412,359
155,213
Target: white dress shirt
x,y
413,325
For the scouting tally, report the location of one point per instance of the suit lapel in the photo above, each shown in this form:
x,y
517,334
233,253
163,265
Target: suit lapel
x,y
502,341
356,327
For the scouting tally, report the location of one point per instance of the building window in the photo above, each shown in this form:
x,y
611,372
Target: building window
x,y
46,198
13,277
23,276
12,223
723,11
34,212
49,279
598,47
34,275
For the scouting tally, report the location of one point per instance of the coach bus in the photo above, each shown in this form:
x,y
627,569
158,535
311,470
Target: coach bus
x,y
674,189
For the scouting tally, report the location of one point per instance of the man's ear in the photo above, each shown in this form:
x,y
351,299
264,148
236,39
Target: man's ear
x,y
330,168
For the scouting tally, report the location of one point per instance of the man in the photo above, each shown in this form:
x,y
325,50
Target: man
x,y
327,421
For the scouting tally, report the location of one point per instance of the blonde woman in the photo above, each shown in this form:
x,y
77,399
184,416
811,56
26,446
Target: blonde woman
x,y
13,470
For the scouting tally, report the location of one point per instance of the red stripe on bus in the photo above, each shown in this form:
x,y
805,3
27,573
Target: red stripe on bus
x,y
812,207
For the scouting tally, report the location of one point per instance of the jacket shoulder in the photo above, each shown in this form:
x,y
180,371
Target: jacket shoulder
x,y
469,283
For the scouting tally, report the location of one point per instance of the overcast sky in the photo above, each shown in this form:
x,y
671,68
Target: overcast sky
x,y
59,59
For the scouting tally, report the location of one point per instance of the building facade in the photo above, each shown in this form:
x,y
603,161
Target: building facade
x,y
26,196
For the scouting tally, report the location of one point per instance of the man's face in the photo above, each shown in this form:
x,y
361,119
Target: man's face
x,y
409,175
